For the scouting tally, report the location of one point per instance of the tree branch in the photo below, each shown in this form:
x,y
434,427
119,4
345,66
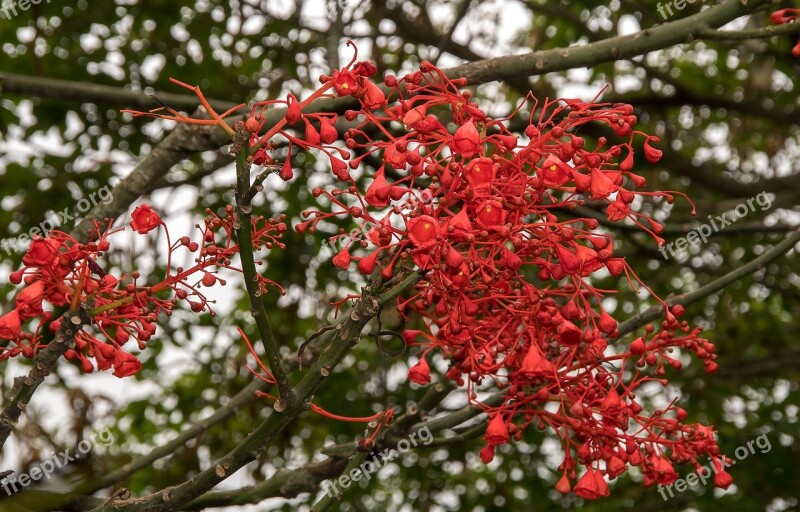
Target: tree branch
x,y
655,312
66,90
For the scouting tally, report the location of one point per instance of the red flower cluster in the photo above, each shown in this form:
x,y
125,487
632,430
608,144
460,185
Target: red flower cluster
x,y
787,16
63,273
508,294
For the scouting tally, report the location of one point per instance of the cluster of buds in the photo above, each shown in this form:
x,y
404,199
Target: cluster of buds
x,y
60,273
507,295
788,15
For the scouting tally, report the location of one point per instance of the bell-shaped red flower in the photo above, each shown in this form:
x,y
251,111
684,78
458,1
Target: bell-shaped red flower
x,y
420,373
29,300
601,185
497,431
569,334
535,365
373,97
42,252
10,327
125,364
591,485
378,192
554,171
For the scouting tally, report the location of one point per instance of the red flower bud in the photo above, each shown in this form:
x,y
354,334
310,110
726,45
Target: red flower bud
x,y
652,154
367,264
563,485
312,135
637,347
342,259
292,109
327,133
487,454
252,125
466,140
723,479
607,324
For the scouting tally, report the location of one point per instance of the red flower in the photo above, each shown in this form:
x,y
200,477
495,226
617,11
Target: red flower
x,y
607,324
637,348
327,132
414,116
345,83
497,431
144,219
373,97
41,253
591,485
617,210
367,264
365,68
10,327
293,112
460,221
554,171
535,365
466,140
29,300
423,231
420,373
480,173
784,16
601,185
125,364
378,192
569,261
663,471
490,213
569,334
